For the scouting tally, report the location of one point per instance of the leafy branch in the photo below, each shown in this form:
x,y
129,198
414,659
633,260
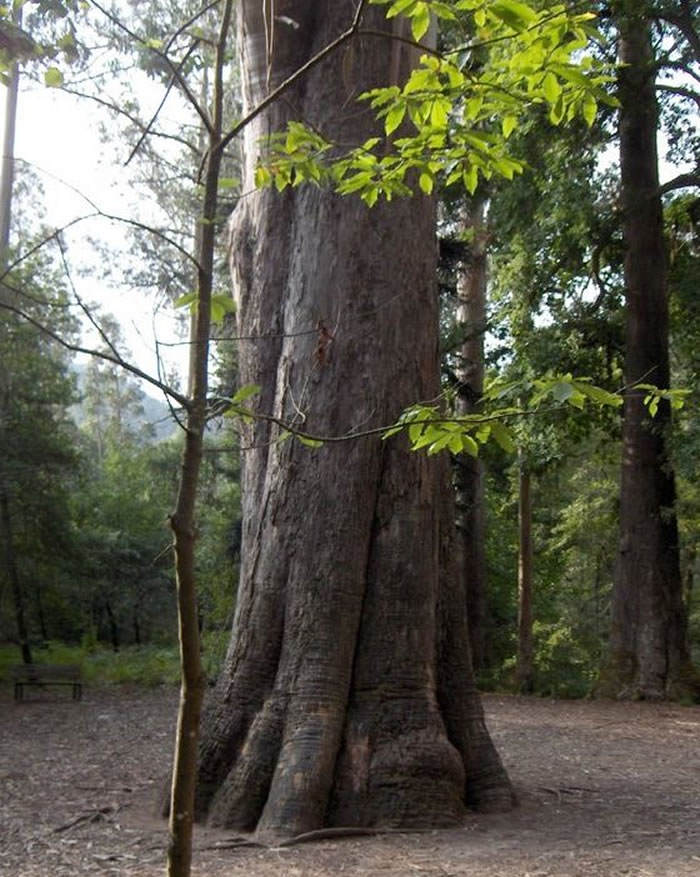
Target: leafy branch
x,y
453,117
433,427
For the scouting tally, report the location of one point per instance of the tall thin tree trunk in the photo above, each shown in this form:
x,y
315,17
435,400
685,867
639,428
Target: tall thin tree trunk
x,y
469,471
13,574
41,617
347,696
8,152
525,665
113,627
6,182
193,681
648,654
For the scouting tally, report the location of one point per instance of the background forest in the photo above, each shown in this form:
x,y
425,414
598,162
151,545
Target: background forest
x,y
531,283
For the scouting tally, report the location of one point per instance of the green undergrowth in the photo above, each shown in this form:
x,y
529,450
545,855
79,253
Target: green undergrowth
x,y
148,665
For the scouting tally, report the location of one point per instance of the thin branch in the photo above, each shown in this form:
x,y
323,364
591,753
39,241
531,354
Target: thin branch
x,y
134,121
161,377
682,181
681,92
191,20
98,214
471,420
397,38
149,126
676,65
83,307
684,23
164,57
99,354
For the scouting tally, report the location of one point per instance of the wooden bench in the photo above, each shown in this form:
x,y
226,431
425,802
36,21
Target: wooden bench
x,y
47,674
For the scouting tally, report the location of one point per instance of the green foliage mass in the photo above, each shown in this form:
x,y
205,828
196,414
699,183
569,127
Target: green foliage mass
x,y
450,123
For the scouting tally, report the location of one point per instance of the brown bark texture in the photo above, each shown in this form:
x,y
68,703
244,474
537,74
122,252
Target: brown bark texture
x,y
648,654
469,471
347,696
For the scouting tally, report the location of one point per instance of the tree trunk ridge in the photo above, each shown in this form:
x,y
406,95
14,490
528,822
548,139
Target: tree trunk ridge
x,y
648,650
346,697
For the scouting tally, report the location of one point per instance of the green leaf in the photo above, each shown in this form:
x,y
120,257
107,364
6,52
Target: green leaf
x,y
562,391
189,300
220,306
589,109
556,114
425,181
53,78
420,21
393,430
245,392
310,442
394,118
470,178
470,446
398,7
502,436
229,182
508,125
598,394
263,177
516,15
551,87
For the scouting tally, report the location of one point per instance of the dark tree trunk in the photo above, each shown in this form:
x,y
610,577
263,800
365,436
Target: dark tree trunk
x,y
40,614
347,695
469,471
13,575
113,627
525,673
648,655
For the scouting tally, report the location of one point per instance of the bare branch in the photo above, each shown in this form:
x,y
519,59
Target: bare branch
x,y
149,126
134,121
682,181
83,307
174,69
99,214
117,359
684,22
680,91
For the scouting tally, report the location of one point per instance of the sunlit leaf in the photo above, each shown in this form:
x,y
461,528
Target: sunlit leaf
x,y
53,78
245,392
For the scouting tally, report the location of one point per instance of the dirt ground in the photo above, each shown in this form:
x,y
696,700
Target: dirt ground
x,y
605,789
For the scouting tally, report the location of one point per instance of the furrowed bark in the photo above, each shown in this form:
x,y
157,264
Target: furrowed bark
x,y
469,471
335,704
648,652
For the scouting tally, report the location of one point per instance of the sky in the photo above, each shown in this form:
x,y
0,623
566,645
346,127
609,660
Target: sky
x,y
58,136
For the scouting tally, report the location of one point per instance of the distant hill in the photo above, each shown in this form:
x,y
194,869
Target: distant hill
x,y
154,412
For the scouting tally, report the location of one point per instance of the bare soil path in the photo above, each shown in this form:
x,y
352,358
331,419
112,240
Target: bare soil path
x,y
605,789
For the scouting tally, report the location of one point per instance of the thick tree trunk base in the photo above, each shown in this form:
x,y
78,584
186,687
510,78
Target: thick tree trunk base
x,y
621,679
347,696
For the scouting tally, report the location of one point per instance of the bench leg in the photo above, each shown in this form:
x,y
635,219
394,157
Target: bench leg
x,y
19,691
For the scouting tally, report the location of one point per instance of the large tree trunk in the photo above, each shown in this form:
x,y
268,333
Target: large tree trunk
x,y
648,653
469,471
347,695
